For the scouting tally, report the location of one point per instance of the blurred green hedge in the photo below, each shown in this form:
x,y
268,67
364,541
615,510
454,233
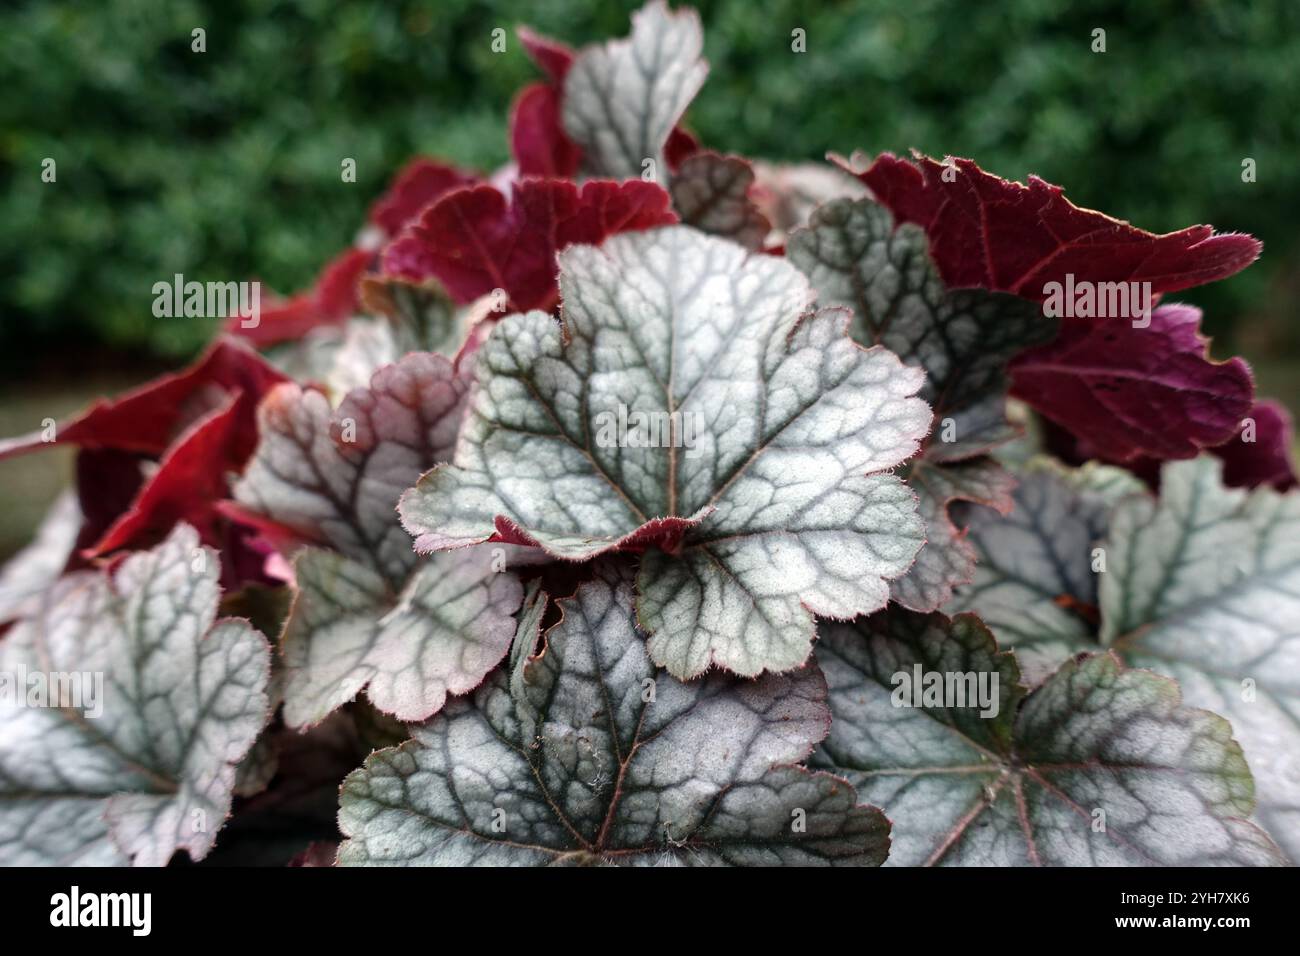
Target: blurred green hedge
x,y
225,164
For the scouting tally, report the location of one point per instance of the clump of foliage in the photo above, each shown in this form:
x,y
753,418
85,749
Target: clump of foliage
x,y
640,503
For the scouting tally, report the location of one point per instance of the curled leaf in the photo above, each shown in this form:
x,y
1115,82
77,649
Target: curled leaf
x,y
622,99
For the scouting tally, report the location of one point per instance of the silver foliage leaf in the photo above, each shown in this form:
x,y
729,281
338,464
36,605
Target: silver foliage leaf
x,y
592,754
157,703
691,405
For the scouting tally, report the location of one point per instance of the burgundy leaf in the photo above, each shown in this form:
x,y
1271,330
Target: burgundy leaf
x,y
552,56
189,480
1266,460
474,240
145,420
420,183
680,147
1120,390
1255,459
331,301
989,232
1129,392
537,138
107,481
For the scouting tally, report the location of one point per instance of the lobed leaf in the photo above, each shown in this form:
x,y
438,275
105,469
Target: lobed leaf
x,y
948,560
1199,584
421,182
1137,391
712,193
448,625
180,699
962,339
991,233
370,613
1204,585
756,522
474,241
1100,766
1034,583
591,754
1124,390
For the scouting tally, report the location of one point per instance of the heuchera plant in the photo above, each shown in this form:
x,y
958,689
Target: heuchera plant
x,y
642,504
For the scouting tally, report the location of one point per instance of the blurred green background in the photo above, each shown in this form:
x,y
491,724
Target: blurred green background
x,y
225,164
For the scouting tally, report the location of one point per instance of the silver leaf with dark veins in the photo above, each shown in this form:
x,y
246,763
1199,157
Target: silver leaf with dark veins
x,y
764,494
599,756
1099,766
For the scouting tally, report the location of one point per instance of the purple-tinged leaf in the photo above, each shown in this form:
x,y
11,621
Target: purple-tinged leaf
x,y
370,613
712,193
1133,391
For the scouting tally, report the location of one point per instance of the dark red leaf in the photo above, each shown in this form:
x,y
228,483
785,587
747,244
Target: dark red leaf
x,y
551,55
474,241
1128,392
681,146
190,479
988,232
537,138
331,301
145,420
420,183
1267,460
1122,391
1264,462
107,482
